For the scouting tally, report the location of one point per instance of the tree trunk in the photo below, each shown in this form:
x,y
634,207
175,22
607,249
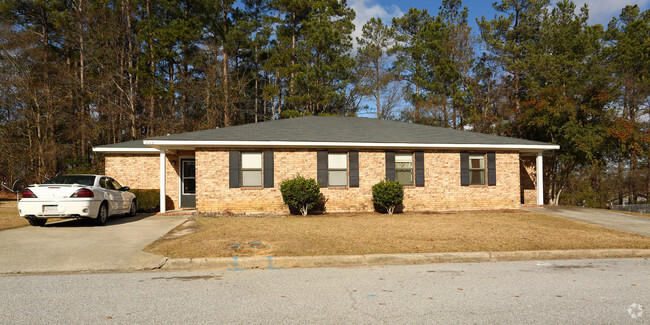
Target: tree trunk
x,y
226,87
632,179
152,70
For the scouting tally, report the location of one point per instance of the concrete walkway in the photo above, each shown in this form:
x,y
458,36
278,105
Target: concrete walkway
x,y
77,245
610,219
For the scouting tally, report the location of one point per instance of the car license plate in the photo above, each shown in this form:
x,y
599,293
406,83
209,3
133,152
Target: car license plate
x,y
50,208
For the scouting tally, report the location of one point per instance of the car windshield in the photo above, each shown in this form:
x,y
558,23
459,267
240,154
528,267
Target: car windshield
x,y
72,179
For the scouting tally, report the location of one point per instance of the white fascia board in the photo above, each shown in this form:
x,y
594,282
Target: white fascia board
x,y
299,144
127,150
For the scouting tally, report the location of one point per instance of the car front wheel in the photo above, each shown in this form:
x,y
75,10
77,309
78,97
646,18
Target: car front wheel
x,y
102,215
134,208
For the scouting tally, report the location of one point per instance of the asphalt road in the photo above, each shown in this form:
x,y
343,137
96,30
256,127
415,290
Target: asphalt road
x,y
537,292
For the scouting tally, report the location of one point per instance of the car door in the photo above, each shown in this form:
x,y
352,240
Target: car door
x,y
125,196
112,195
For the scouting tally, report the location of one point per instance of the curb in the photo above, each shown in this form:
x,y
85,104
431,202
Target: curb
x,y
269,262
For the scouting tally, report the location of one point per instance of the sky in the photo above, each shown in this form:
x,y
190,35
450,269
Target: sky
x,y
600,11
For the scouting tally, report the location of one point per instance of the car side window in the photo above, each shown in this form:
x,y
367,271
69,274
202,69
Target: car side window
x,y
103,183
115,184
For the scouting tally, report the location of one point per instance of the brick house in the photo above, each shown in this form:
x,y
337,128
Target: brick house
x,y
238,169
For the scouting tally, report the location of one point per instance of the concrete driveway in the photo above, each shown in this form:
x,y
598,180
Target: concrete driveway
x,y
77,245
610,219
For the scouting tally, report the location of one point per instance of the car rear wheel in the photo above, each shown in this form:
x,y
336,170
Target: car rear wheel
x,y
37,222
102,215
134,208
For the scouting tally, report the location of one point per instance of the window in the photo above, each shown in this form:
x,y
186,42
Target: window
x,y
251,169
188,176
114,184
404,168
477,169
73,179
337,169
104,183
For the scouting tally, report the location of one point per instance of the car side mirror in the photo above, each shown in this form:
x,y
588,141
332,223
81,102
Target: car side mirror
x,y
124,189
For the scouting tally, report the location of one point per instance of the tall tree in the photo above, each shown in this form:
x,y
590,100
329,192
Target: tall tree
x,y
374,63
509,38
566,94
629,35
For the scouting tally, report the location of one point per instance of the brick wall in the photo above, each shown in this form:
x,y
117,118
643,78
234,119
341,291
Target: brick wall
x,y
442,190
528,177
141,171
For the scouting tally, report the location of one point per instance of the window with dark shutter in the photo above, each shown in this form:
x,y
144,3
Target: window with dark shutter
x,y
353,157
419,168
321,162
390,165
404,168
251,169
476,169
233,168
464,169
268,169
491,169
337,169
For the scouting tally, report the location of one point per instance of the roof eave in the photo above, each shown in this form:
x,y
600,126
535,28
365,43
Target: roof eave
x,y
187,144
126,150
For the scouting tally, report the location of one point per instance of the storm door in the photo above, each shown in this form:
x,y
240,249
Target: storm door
x,y
188,183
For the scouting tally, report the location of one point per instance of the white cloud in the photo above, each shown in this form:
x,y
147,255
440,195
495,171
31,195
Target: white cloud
x,y
602,11
366,9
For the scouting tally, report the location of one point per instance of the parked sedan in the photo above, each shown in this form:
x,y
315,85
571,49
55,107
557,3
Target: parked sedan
x,y
76,196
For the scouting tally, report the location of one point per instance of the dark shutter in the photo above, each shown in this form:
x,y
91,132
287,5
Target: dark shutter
x,y
464,168
268,168
390,165
322,167
491,169
419,168
234,168
353,159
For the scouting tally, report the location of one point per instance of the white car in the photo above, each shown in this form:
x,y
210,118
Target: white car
x,y
76,196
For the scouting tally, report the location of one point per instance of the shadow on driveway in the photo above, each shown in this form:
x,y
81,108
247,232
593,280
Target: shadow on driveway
x,y
85,222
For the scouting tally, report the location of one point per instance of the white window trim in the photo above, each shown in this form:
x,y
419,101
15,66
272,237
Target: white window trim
x,y
242,169
347,169
470,169
412,169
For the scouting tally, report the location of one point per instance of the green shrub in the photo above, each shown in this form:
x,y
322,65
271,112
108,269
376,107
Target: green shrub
x,y
300,193
388,195
148,199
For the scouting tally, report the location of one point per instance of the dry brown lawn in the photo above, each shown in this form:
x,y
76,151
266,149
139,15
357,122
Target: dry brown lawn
x,y
372,233
9,215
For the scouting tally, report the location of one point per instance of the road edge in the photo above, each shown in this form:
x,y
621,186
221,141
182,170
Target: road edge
x,y
277,262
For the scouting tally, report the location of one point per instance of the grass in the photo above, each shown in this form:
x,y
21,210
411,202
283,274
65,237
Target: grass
x,y
9,215
371,233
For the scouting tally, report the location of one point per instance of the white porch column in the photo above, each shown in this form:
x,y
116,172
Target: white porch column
x,y
162,180
540,178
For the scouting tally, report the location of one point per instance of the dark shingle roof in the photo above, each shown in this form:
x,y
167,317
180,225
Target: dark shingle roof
x,y
343,129
130,144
